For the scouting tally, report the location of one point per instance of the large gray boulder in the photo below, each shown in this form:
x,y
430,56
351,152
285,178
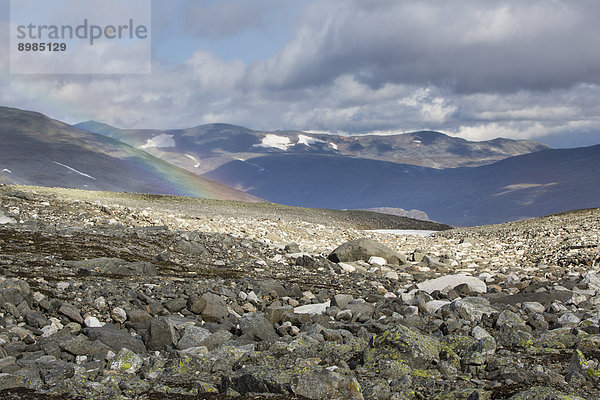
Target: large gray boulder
x,y
161,335
258,326
214,309
363,249
193,336
115,338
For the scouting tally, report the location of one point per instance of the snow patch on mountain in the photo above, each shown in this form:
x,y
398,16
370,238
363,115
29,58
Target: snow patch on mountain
x,y
74,170
274,141
193,159
162,140
307,140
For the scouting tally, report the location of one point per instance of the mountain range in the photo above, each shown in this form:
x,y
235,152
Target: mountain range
x,y
206,147
37,150
529,185
450,180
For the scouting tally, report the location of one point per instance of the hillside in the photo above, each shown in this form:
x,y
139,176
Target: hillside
x,y
207,147
37,150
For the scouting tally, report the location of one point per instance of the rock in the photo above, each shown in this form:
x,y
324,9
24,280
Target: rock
x,y
341,300
138,316
577,299
363,249
175,305
343,315
4,220
362,307
592,280
215,308
405,345
216,339
36,319
196,352
54,372
93,322
347,267
71,312
569,320
449,282
319,308
100,303
533,307
324,384
516,337
10,381
161,335
472,308
276,314
509,318
539,393
126,361
80,346
115,338
392,275
292,248
432,306
196,304
377,261
272,286
480,333
118,315
253,297
7,361
193,336
258,326
589,369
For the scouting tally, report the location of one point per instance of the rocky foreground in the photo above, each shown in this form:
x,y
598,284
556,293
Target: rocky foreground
x,y
112,296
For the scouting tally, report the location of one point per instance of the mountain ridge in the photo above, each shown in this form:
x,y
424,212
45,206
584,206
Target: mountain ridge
x,y
38,150
206,147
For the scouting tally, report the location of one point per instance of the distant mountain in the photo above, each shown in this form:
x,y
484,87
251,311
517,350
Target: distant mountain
x,y
37,150
207,147
529,185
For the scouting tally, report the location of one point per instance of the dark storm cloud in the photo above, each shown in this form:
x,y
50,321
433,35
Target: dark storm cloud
x,y
472,46
475,69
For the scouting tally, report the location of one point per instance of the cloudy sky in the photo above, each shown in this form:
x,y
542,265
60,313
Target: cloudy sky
x,y
470,68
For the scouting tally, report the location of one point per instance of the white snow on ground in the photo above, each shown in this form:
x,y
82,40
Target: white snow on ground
x,y
162,140
404,232
193,159
278,142
74,170
307,140
8,171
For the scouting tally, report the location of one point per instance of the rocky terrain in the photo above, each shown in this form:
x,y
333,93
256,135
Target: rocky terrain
x,y
119,296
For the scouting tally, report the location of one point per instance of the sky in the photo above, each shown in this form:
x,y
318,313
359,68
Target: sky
x,y
470,68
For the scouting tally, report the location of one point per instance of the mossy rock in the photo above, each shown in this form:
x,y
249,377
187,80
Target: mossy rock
x,y
560,339
544,393
404,345
459,344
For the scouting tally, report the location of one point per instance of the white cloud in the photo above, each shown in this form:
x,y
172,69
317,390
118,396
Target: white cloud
x,y
504,68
